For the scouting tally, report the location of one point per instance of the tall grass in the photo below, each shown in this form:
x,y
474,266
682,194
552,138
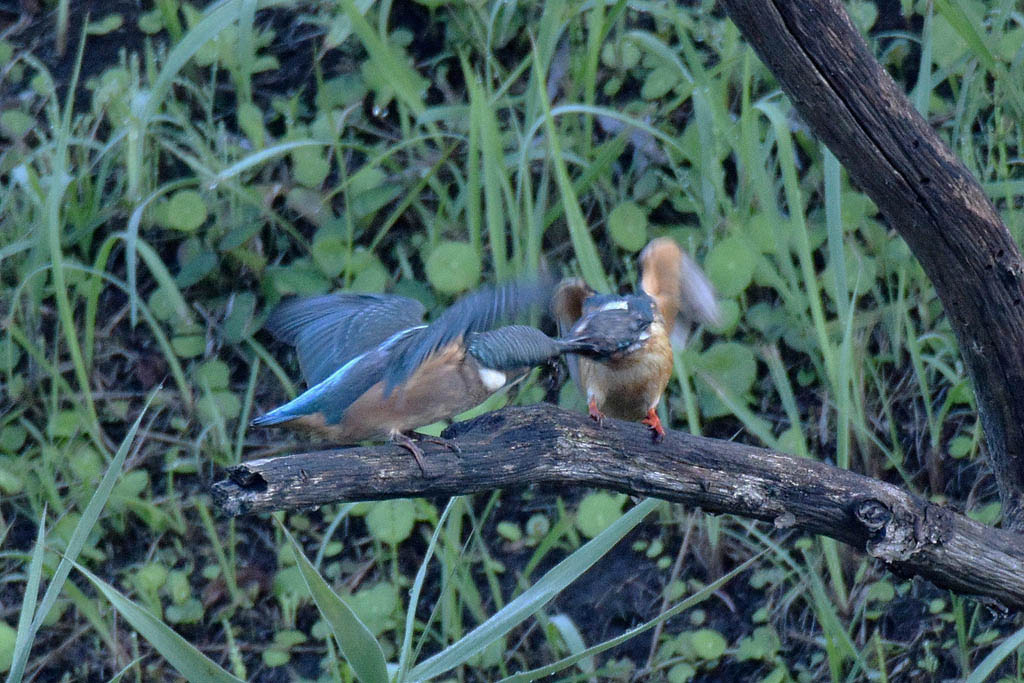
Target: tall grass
x,y
516,149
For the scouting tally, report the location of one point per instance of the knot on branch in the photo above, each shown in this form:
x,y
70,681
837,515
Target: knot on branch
x,y
896,534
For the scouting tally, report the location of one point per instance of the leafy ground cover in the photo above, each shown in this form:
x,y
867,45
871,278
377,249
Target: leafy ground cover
x,y
171,171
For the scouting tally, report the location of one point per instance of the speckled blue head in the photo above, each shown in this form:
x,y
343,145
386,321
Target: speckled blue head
x,y
616,324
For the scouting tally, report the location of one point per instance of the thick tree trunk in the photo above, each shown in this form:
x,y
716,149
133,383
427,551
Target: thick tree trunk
x,y
852,104
542,443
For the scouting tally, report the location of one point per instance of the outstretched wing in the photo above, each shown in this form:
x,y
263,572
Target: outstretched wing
x,y
678,286
478,311
342,387
329,331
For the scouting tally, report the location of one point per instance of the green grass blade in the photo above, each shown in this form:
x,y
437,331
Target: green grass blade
x,y
26,634
656,47
417,587
119,676
693,600
245,49
90,516
360,649
131,239
988,665
53,220
573,640
582,243
600,167
179,653
773,359
534,598
258,158
492,159
923,90
216,20
794,199
962,24
472,188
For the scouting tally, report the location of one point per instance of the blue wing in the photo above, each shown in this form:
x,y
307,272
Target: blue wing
x,y
364,339
481,310
330,331
333,395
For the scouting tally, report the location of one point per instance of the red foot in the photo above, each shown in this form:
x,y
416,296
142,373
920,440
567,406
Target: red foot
x,y
596,414
654,422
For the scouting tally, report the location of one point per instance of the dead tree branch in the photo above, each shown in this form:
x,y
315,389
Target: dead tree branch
x,y
541,443
927,194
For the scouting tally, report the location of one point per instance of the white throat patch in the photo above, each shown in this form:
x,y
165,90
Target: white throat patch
x,y
492,379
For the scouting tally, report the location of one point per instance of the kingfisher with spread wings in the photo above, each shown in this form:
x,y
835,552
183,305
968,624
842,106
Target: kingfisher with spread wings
x,y
628,382
375,371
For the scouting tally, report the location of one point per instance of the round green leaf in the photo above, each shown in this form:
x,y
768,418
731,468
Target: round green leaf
x,y
63,424
274,657
149,578
597,511
299,277
16,122
681,673
250,120
330,251
391,521
374,606
236,326
310,166
107,24
659,82
11,438
730,266
222,404
510,531
86,464
708,644
189,345
185,211
453,267
289,638
623,54
733,368
537,526
11,484
151,22
881,591
371,278
189,612
732,365
959,446
627,226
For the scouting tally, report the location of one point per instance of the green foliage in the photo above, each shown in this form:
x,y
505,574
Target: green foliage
x,y
162,192
597,511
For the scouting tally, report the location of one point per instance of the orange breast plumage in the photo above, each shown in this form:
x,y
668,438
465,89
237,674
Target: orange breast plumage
x,y
629,386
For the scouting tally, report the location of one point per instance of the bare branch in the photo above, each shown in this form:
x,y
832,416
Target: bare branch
x,y
541,443
927,194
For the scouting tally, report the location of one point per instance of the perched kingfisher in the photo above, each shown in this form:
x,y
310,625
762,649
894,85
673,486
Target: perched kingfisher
x,y
628,381
376,372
